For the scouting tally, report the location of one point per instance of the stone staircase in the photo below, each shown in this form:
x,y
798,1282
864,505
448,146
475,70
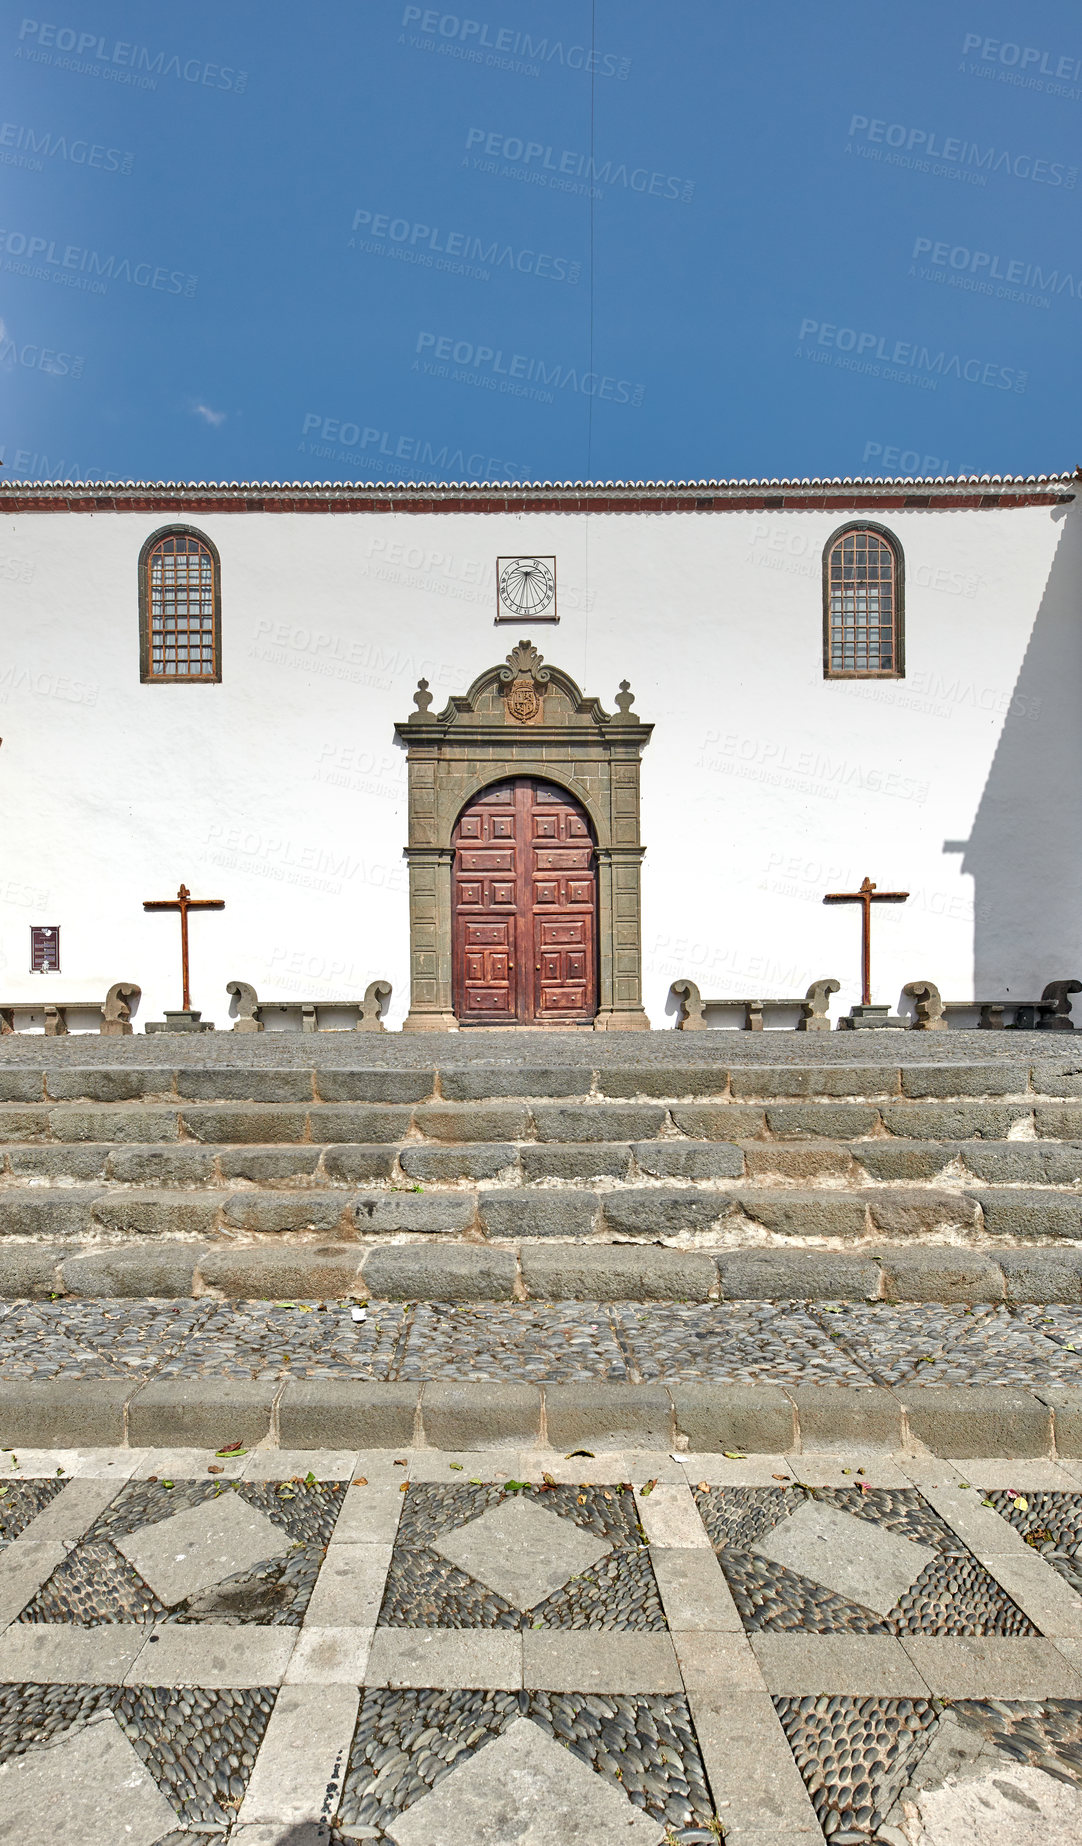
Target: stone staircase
x,y
492,1166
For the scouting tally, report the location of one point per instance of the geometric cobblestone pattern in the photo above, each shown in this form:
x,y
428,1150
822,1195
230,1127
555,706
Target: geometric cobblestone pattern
x,y
788,1345
760,1170
408,1699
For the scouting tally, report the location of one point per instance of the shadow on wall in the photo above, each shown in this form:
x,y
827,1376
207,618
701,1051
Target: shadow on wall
x,y
1024,850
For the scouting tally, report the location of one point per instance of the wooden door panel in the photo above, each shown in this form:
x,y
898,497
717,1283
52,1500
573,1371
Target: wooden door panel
x,y
524,900
478,860
554,935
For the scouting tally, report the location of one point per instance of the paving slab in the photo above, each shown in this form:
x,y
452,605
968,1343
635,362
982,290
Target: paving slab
x,y
715,1662
599,1662
806,1665
444,1657
68,1513
370,1514
209,1654
24,1567
329,1657
300,1768
856,1559
447,1465
281,1464
201,1546
694,1593
349,1588
753,1777
521,1551
1051,1604
524,1787
669,1517
94,1788
43,1655
993,1667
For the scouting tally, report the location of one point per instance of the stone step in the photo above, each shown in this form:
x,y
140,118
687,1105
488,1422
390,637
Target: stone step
x,y
660,1069
735,1213
315,1166
218,1124
437,1270
582,1417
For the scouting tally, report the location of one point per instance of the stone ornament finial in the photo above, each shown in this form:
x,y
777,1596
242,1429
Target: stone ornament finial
x,y
524,662
116,1009
815,1006
929,1005
522,680
247,1019
370,1016
1057,995
692,1007
625,698
422,699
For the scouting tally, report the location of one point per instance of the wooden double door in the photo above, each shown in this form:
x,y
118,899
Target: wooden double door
x,y
524,908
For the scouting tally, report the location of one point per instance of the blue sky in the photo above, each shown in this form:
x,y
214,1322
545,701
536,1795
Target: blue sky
x,y
364,240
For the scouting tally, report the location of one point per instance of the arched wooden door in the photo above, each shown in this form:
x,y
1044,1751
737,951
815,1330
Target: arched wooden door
x,y
524,908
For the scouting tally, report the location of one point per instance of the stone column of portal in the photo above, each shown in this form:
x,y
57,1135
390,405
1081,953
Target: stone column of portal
x,y
431,1005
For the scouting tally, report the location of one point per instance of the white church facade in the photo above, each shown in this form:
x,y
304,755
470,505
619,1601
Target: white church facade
x,y
532,754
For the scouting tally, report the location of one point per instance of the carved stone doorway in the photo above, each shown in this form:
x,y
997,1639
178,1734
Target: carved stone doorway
x,y
523,719
524,908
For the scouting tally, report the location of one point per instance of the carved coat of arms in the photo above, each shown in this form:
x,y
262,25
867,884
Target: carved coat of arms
x,y
522,701
522,677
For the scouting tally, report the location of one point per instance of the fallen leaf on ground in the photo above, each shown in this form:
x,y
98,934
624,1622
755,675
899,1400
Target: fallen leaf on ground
x,y
647,1487
231,1448
458,1466
213,1470
733,1455
361,1481
589,1453
704,1486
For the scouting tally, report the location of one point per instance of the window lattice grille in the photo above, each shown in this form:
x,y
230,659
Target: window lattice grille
x,y
181,606
862,605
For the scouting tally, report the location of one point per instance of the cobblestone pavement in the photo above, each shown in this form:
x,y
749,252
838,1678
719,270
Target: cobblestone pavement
x,y
873,1343
312,1648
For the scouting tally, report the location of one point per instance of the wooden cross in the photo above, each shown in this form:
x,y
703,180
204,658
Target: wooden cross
x,y
866,897
184,901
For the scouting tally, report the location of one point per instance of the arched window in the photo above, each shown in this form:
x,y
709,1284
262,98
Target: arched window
x,y
863,637
180,607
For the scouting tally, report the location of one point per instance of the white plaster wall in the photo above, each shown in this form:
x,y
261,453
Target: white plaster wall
x,y
283,791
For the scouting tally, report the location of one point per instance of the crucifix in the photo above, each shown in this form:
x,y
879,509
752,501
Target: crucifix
x,y
184,901
866,897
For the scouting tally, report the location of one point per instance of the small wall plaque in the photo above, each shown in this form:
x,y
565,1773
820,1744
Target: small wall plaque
x,y
526,590
45,949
